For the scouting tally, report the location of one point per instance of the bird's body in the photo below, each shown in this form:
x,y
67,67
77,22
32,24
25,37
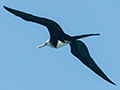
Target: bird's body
x,y
58,39
58,45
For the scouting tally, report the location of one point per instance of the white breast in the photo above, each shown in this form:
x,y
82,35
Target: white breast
x,y
59,44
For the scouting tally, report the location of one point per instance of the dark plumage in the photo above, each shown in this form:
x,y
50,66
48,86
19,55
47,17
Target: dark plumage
x,y
58,39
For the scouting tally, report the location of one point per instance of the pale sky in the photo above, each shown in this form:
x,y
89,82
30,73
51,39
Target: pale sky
x,y
23,67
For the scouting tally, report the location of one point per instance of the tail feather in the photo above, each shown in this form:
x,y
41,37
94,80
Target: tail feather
x,y
83,36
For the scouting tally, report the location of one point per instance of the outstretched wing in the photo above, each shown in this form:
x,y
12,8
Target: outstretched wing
x,y
54,29
79,49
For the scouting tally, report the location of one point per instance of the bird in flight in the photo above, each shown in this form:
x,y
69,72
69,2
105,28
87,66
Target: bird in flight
x,y
58,39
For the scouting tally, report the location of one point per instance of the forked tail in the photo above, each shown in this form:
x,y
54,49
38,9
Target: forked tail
x,y
83,36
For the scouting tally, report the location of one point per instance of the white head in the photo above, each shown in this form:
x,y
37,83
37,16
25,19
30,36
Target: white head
x,y
47,43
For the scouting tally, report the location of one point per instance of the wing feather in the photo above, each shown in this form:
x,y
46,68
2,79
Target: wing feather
x,y
79,49
54,29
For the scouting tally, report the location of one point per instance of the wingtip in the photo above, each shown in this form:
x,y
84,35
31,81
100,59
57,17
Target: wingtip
x,y
111,82
114,84
4,6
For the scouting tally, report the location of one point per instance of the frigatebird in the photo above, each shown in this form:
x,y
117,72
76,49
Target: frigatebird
x,y
58,39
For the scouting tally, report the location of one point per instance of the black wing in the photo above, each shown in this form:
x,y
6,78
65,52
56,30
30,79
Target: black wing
x,y
54,29
79,49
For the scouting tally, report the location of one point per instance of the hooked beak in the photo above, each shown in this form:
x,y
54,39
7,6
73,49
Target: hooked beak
x,y
41,46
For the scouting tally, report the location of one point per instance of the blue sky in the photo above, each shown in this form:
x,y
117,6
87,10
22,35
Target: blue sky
x,y
23,67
